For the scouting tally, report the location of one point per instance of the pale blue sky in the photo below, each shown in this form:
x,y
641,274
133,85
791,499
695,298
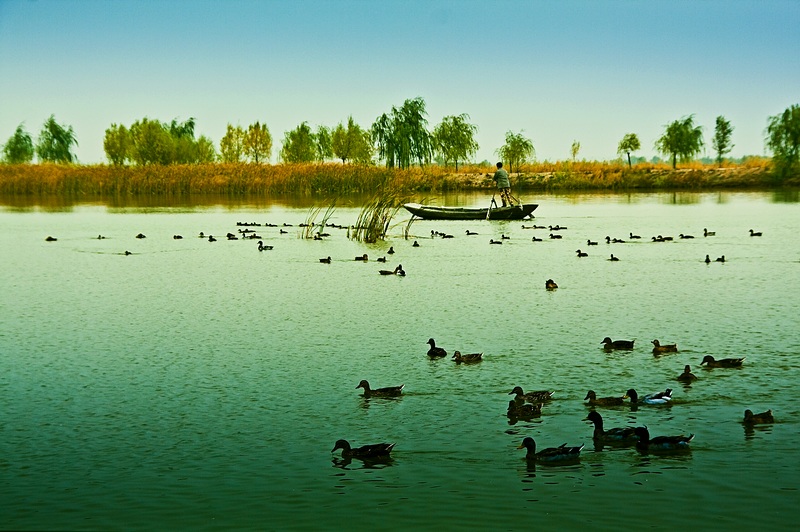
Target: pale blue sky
x,y
559,71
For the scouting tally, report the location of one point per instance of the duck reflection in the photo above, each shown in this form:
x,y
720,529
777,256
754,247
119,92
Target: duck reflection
x,y
377,462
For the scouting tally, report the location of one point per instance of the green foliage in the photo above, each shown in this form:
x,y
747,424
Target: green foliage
x,y
117,144
151,142
299,145
681,139
517,150
19,148
231,146
206,153
722,138
576,147
783,139
402,137
351,143
454,139
630,142
324,143
257,143
55,142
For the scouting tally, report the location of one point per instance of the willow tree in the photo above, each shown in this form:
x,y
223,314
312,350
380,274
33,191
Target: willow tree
x,y
299,145
402,136
681,139
630,142
517,150
117,144
722,138
783,139
324,143
55,142
454,139
151,143
19,147
257,143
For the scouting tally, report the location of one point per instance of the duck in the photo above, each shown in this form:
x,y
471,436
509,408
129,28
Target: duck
x,y
523,410
326,260
201,235
435,352
535,239
685,236
375,450
140,235
396,271
362,258
614,435
550,284
659,398
562,453
504,237
661,443
632,236
610,344
381,259
706,232
471,233
537,396
708,259
211,238
50,239
581,253
687,375
555,237
101,237
613,258
282,232
389,391
711,362
591,243
469,358
175,237
391,250
493,241
603,401
720,259
127,253
556,227
262,247
659,349
764,417
755,233
400,271
415,244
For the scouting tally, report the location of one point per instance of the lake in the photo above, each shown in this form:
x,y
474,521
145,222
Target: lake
x,y
201,385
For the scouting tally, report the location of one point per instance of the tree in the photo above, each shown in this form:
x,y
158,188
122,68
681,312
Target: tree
x,y
231,146
324,143
151,142
299,145
517,150
184,147
257,143
19,148
576,147
454,139
117,144
681,139
783,139
55,142
205,150
351,144
722,138
402,137
630,142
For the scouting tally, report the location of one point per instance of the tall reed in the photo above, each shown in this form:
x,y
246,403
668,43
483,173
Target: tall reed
x,y
374,220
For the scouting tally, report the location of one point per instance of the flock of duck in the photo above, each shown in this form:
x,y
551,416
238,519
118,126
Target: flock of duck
x,y
526,405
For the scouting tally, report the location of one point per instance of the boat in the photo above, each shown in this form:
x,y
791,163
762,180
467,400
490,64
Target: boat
x,y
432,212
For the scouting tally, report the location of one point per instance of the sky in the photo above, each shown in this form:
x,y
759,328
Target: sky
x,y
555,71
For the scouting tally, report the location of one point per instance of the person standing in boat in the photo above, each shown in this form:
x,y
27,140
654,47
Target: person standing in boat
x,y
504,184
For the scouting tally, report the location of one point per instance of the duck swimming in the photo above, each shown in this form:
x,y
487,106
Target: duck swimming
x,y
262,247
706,232
50,239
764,417
609,344
613,258
523,410
362,258
687,375
711,362
659,398
469,358
550,284
659,349
753,233
326,260
581,253
435,352
603,401
365,451
471,233
614,435
661,443
537,396
550,454
389,391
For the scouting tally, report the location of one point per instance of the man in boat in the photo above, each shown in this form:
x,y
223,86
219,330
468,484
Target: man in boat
x,y
504,184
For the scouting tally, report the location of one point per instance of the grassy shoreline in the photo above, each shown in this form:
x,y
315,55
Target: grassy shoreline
x,y
336,180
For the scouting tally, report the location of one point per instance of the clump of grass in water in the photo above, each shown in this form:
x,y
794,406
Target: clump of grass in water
x,y
310,223
374,219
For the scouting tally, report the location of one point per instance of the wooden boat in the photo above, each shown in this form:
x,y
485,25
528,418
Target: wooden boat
x,y
432,212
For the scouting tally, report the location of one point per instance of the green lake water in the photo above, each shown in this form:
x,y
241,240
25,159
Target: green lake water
x,y
201,385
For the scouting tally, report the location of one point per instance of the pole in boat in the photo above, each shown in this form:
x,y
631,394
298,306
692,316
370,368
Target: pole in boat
x,y
489,210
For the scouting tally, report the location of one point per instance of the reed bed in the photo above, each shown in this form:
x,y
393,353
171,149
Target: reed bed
x,y
337,180
374,220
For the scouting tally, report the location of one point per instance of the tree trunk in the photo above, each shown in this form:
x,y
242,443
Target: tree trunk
x,y
629,159
674,161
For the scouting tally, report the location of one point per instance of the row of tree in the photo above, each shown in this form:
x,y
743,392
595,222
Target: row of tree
x,y
399,138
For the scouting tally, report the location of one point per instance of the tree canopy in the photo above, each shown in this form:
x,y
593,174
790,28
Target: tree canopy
x,y
517,150
630,142
351,143
257,143
231,145
722,138
19,148
402,136
783,139
55,142
681,139
299,145
454,139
